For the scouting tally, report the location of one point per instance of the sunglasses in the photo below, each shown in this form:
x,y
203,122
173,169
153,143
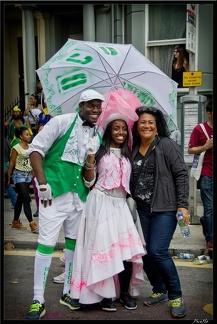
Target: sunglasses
x,y
146,109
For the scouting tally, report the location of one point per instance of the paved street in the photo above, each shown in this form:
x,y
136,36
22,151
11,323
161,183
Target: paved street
x,y
196,280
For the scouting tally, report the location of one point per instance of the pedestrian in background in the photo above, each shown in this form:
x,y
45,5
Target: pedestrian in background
x,y
179,65
41,96
176,136
197,144
58,153
43,118
19,121
109,250
160,187
10,122
9,190
21,168
33,110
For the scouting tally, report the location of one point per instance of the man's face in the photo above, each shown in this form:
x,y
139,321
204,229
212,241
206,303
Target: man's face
x,y
39,86
90,110
209,114
16,113
18,123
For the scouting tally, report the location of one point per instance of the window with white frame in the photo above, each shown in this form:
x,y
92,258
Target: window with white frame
x,y
167,29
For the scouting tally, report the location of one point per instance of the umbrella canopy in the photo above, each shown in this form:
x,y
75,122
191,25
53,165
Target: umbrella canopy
x,y
104,67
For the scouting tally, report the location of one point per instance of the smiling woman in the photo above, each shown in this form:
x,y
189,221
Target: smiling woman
x,y
160,187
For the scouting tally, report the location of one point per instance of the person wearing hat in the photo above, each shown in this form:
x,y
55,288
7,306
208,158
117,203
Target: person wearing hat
x,y
108,256
58,154
16,108
10,122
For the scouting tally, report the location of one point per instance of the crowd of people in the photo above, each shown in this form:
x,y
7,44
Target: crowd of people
x,y
33,118
83,171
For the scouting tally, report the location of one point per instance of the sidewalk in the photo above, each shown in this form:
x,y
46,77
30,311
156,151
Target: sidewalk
x,y
24,239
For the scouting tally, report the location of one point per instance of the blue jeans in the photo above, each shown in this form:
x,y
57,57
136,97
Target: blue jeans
x,y
21,176
158,229
205,184
22,181
12,194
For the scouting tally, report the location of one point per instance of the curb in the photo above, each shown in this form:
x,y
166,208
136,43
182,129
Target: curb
x,y
61,245
195,244
32,245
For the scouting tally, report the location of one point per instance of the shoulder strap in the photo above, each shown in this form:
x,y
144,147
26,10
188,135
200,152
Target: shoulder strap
x,y
31,114
204,130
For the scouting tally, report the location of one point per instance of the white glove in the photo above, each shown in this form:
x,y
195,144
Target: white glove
x,y
93,146
44,195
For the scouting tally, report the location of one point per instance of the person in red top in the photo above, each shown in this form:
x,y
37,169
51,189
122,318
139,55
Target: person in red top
x,y
197,144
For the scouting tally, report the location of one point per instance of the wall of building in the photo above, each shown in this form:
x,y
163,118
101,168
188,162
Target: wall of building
x,y
11,71
56,27
136,26
205,46
103,24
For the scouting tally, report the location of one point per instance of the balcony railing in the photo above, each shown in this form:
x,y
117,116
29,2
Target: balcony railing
x,y
8,113
9,110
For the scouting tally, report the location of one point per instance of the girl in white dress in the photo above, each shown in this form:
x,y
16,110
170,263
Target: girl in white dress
x,y
108,256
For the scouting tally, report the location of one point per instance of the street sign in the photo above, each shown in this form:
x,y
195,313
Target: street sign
x,y
192,79
191,27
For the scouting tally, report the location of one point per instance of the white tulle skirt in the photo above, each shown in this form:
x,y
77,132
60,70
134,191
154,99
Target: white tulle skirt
x,y
107,236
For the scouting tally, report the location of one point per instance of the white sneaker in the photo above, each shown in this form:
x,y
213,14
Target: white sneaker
x,y
59,279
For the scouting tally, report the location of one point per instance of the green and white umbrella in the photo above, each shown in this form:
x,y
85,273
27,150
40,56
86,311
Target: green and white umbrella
x,y
81,65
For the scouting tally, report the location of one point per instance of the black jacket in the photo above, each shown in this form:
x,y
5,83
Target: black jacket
x,y
171,186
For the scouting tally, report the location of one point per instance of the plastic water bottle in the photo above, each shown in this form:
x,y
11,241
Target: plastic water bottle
x,y
185,255
185,230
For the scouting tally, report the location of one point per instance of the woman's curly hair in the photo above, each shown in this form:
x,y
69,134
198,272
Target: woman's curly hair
x,y
162,128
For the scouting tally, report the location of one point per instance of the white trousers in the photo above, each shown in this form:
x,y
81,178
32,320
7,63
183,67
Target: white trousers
x,y
65,211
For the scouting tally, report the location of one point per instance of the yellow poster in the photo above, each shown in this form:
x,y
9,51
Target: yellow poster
x,y
192,79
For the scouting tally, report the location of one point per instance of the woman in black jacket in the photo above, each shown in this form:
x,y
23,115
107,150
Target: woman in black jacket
x,y
160,187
